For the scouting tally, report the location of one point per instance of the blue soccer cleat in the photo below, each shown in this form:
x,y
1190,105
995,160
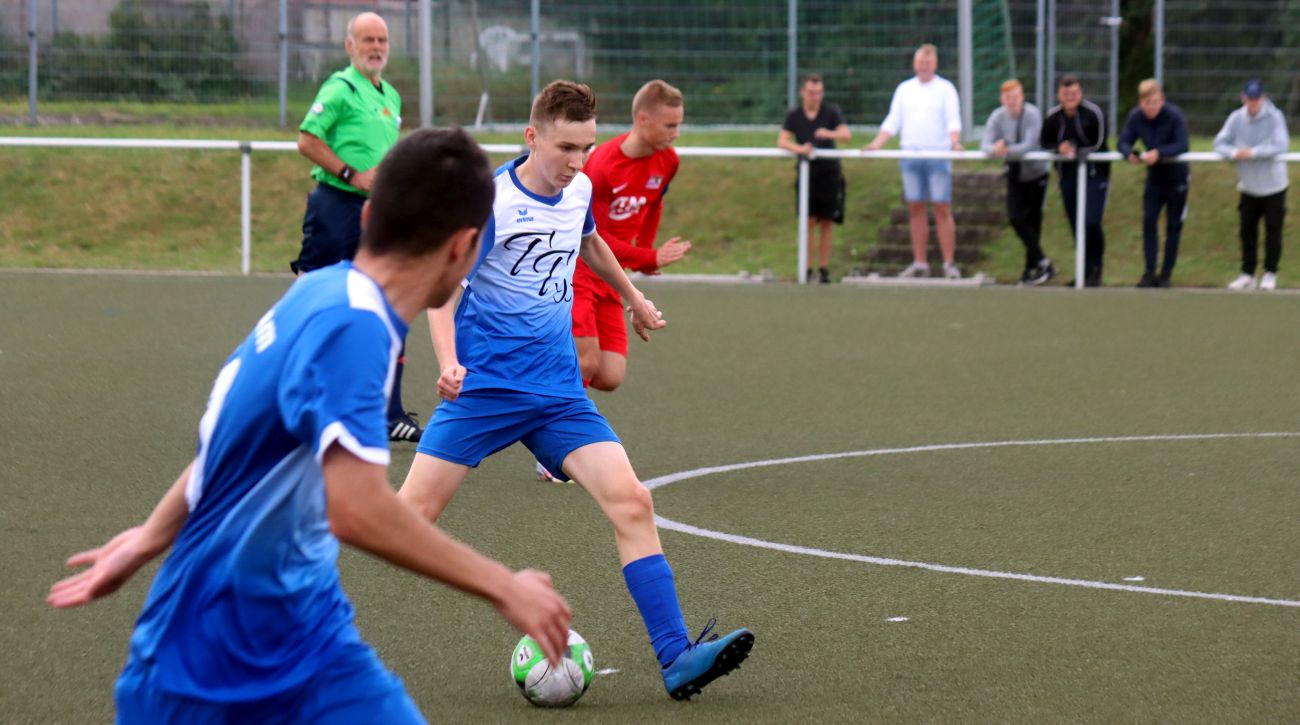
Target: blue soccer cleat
x,y
704,662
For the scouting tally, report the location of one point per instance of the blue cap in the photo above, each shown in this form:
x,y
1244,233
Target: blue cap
x,y
1254,89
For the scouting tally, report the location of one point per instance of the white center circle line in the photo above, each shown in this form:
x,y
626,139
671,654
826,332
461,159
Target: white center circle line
x,y
665,523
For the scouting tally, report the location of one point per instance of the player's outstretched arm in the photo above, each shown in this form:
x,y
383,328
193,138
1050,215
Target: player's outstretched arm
x,y
442,328
645,316
364,512
112,564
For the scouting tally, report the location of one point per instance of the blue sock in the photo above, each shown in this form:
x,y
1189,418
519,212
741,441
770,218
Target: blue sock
x,y
650,581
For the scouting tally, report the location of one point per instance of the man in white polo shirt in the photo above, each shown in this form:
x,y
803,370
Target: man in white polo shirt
x,y
926,113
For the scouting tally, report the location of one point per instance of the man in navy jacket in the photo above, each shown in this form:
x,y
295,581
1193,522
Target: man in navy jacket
x,y
1154,132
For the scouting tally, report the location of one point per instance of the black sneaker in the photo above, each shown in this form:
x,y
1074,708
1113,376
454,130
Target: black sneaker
x,y
1164,281
405,428
823,275
1148,280
1038,275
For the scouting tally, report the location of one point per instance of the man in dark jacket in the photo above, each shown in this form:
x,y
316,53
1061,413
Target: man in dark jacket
x,y
1074,129
1161,131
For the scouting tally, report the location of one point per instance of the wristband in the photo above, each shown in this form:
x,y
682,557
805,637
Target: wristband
x,y
346,173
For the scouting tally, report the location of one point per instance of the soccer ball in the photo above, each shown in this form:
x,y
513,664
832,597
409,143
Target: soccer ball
x,y
545,685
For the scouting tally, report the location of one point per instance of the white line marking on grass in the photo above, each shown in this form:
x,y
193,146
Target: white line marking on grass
x,y
607,671
896,619
665,523
1135,578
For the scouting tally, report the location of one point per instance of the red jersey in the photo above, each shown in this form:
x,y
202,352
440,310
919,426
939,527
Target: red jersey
x,y
627,199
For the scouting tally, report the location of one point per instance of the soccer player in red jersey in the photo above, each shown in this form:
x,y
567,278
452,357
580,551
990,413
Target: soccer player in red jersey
x,y
629,174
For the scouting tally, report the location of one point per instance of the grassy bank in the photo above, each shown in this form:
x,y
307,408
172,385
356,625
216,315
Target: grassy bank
x,y
180,209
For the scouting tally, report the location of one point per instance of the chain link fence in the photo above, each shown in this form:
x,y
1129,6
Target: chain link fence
x,y
731,58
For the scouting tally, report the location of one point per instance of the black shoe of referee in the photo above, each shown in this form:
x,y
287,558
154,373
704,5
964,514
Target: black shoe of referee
x,y
405,428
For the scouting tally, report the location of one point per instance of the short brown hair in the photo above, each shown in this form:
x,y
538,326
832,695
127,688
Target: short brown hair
x,y
1012,85
655,94
811,78
1149,87
1067,80
563,101
927,49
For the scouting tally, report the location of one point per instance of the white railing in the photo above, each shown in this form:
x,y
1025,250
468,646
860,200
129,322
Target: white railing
x,y
246,149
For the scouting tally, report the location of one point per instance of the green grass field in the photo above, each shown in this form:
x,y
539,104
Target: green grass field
x,y
153,209
104,377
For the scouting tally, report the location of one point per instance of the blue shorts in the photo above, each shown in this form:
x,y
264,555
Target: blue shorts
x,y
927,180
354,688
481,422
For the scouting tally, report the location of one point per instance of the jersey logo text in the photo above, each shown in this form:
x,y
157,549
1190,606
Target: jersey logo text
x,y
625,207
535,253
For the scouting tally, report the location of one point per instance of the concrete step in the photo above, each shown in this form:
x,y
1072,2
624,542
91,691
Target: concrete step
x,y
901,255
976,215
977,179
966,236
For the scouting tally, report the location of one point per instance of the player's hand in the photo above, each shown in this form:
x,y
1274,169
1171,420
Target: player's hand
x,y
533,606
450,380
111,565
1151,157
364,180
671,251
1243,154
1134,157
646,317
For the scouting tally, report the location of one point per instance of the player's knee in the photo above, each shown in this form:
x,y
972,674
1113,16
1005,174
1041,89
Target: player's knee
x,y
428,507
633,506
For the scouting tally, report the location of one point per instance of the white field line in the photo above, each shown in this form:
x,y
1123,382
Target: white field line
x,y
665,523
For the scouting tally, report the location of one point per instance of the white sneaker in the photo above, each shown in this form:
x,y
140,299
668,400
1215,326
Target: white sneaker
x,y
915,269
1243,283
950,271
1268,282
543,474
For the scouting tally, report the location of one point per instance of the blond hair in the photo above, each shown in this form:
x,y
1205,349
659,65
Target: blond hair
x,y
1148,88
655,94
928,49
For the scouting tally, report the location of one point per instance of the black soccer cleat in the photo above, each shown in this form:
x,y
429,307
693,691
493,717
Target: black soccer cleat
x,y
405,428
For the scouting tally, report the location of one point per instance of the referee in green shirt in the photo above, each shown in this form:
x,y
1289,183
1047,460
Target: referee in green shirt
x,y
350,126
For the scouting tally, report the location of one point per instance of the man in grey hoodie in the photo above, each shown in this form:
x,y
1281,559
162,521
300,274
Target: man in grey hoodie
x,y
1013,129
1254,135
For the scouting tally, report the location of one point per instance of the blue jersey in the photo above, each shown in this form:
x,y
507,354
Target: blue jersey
x,y
248,604
514,325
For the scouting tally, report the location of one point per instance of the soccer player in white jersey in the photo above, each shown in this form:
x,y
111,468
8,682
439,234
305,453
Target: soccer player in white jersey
x,y
246,621
509,372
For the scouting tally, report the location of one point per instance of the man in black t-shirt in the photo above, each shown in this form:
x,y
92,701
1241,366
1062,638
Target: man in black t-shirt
x,y
814,124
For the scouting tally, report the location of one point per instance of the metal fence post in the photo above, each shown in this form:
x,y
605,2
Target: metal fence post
x,y
1113,21
537,48
1080,221
1040,20
792,52
426,64
406,22
31,59
803,222
966,63
245,207
284,59
1159,31
1051,55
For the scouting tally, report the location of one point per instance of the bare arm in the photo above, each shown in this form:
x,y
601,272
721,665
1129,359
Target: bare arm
x,y
442,328
785,140
364,512
112,564
597,255
319,153
839,133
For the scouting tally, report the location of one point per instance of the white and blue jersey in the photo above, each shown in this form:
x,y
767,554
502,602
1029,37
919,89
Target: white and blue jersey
x,y
248,604
514,325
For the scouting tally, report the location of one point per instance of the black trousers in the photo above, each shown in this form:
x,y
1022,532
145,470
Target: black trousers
x,y
1096,190
1173,197
1025,211
1272,209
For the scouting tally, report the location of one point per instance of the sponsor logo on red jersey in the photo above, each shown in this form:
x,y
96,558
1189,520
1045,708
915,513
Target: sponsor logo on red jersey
x,y
625,207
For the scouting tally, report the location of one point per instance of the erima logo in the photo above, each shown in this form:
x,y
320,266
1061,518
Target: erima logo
x,y
318,108
264,333
625,207
523,216
654,182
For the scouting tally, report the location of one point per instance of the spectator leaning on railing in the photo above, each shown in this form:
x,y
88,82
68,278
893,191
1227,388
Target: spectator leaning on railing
x,y
815,124
1073,129
1253,135
925,114
1013,129
1161,130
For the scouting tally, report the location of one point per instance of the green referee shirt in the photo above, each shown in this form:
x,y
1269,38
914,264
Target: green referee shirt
x,y
358,121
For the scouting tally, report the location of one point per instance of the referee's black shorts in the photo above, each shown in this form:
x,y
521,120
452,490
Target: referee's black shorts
x,y
331,228
825,195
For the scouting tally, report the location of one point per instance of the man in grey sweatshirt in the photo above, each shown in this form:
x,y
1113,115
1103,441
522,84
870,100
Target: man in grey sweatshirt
x,y
1012,130
1254,135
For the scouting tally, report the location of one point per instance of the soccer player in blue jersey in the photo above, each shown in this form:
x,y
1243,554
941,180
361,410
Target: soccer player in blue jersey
x,y
246,621
509,372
